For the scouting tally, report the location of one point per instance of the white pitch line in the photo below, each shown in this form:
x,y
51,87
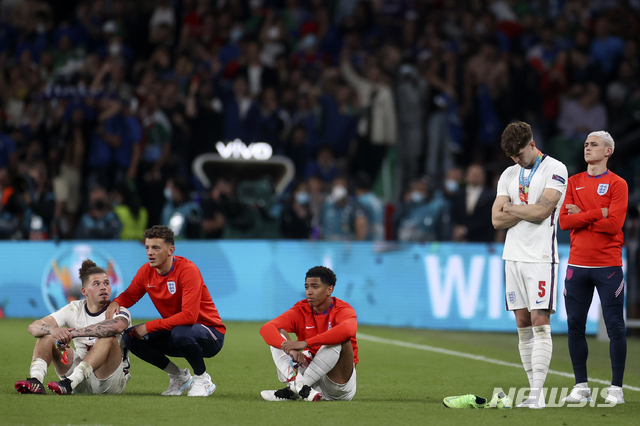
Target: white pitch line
x,y
376,339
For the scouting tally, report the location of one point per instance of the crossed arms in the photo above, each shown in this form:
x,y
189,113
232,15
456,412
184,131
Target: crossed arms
x,y
505,214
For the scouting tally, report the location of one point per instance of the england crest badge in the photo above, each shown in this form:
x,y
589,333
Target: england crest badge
x,y
171,286
603,188
511,296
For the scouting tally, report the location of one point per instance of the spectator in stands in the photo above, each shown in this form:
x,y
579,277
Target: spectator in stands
x,y
241,112
338,213
99,222
422,215
411,92
39,203
133,216
471,208
295,222
217,207
181,213
10,209
579,115
8,154
108,136
296,150
342,130
257,76
324,166
377,125
452,181
317,196
273,120
156,152
309,115
369,220
204,115
606,48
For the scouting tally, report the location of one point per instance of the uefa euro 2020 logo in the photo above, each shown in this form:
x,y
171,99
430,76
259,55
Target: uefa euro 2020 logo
x,y
61,283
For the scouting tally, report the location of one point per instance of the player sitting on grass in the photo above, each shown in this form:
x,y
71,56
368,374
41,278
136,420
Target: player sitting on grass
x,y
321,364
100,363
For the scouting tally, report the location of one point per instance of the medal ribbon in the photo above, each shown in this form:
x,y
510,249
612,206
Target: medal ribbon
x,y
523,188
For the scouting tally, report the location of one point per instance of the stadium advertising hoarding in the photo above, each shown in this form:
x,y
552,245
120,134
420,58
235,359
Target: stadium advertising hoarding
x,y
439,286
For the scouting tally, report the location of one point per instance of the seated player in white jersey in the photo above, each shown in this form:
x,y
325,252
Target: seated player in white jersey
x,y
100,363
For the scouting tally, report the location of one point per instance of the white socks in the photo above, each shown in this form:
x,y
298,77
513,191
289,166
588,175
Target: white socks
x,y
173,369
38,369
283,364
325,359
525,346
80,373
541,355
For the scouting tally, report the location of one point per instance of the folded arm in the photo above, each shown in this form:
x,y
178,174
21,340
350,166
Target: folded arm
x,y
500,218
106,328
537,212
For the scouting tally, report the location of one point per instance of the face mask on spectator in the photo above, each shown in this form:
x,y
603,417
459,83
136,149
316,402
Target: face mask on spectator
x,y
302,198
417,197
99,205
338,193
451,185
308,42
167,194
115,49
273,33
235,35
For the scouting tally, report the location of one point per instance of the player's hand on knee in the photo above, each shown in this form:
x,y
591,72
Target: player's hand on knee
x,y
62,335
297,356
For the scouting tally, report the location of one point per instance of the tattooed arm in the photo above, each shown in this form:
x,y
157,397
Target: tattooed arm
x,y
48,326
537,212
106,328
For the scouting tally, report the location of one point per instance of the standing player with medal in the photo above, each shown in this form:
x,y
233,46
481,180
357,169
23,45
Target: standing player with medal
x,y
529,196
594,211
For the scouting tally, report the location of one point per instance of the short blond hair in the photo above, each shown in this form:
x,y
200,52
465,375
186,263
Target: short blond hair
x,y
606,137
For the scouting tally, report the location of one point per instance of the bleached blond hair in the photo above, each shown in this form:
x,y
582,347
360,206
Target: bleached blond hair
x,y
606,137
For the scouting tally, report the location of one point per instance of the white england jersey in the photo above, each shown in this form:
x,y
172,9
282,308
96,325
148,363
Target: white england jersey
x,y
76,315
527,241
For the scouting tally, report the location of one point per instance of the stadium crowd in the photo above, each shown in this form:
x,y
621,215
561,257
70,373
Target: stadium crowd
x,y
390,110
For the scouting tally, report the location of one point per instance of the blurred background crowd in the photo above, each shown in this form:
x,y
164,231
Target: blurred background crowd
x,y
390,111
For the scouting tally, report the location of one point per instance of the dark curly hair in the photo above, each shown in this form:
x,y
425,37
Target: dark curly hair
x,y
160,231
325,274
515,137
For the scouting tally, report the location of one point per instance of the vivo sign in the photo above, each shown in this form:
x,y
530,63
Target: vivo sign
x,y
238,149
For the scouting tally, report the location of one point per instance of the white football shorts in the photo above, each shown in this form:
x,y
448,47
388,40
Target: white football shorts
x,y
114,384
531,285
332,391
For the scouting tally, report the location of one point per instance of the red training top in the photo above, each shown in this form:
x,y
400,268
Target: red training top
x,y
332,327
180,296
596,241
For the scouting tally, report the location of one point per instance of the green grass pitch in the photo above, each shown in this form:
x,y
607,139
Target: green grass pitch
x,y
396,385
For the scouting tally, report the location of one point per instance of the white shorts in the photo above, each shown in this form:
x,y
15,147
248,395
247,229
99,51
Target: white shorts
x,y
531,285
114,384
332,391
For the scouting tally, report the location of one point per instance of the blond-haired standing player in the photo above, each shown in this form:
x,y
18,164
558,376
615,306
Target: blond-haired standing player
x,y
529,196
